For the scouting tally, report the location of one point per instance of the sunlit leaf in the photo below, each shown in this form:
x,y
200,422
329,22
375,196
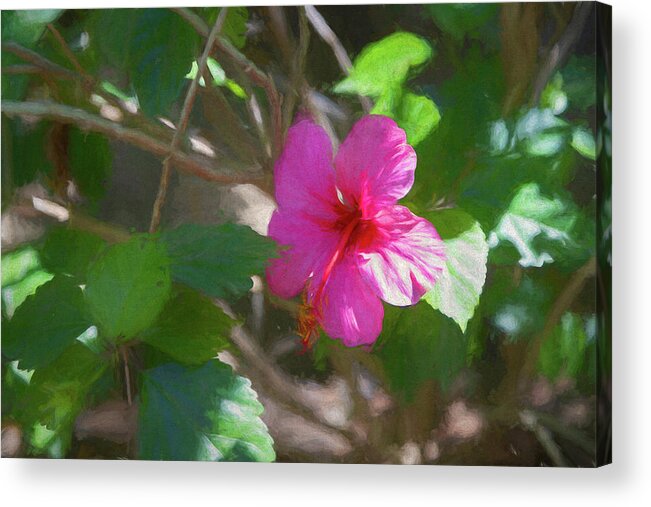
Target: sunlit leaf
x,y
385,65
583,141
456,293
22,274
200,414
530,218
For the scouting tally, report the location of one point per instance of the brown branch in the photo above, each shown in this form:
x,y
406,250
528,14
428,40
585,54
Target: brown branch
x,y
561,305
69,54
530,422
183,121
35,59
256,76
88,121
559,51
330,37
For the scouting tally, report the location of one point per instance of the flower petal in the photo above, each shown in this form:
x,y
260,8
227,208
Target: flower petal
x,y
349,310
375,165
309,248
406,260
303,174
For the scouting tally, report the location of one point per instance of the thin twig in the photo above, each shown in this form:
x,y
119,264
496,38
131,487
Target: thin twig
x,y
88,121
127,374
544,436
256,76
183,121
559,52
35,59
562,303
298,85
330,37
69,54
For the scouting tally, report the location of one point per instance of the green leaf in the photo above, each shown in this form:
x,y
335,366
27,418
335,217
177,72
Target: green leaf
x,y
458,20
128,286
24,27
583,142
517,311
579,77
200,414
27,153
537,226
235,25
456,293
191,329
22,274
384,65
217,259
17,264
156,47
55,396
564,350
70,251
419,344
90,160
417,115
45,324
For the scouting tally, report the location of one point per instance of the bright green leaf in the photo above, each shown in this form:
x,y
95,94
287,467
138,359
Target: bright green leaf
x,y
217,259
456,293
191,329
583,142
200,414
417,115
45,324
22,274
384,65
536,225
128,286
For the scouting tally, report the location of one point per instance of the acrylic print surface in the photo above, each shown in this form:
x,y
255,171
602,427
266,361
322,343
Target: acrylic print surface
x,y
343,234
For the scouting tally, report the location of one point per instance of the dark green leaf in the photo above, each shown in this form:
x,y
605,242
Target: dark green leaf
x,y
45,324
140,41
456,293
461,19
205,413
191,329
419,344
28,155
128,286
218,260
90,158
70,251
384,65
579,77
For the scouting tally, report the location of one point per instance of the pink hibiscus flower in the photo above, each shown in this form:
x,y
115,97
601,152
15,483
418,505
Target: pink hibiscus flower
x,y
350,245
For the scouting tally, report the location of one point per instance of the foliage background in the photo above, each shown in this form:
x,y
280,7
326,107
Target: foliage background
x,y
506,161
